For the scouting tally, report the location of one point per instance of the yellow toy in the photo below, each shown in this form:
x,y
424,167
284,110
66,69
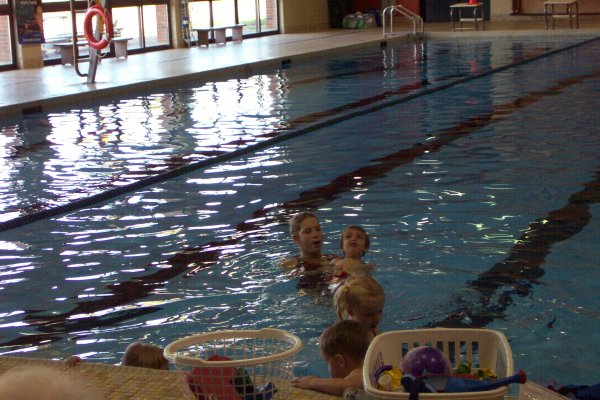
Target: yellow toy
x,y
390,380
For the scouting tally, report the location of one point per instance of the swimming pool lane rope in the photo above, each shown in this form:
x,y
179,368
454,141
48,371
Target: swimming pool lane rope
x,y
194,166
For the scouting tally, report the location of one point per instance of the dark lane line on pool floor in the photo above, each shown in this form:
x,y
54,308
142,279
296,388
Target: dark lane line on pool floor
x,y
189,261
523,267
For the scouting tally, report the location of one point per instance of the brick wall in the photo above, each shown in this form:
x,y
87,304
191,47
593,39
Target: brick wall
x,y
162,22
271,16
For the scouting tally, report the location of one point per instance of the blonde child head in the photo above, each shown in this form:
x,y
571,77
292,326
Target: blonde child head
x,y
360,298
144,355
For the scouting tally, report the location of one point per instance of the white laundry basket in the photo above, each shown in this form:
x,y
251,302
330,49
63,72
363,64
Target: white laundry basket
x,y
483,348
237,364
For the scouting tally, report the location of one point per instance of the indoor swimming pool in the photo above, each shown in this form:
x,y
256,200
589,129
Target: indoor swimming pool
x,y
473,164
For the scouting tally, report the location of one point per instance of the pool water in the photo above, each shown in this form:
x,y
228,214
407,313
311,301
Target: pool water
x,y
479,190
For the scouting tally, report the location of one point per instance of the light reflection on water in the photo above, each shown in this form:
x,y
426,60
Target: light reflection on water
x,y
86,151
200,252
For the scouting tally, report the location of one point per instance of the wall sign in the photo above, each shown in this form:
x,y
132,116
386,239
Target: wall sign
x,y
30,21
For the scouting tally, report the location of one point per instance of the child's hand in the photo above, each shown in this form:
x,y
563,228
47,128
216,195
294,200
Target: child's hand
x,y
337,265
361,268
304,382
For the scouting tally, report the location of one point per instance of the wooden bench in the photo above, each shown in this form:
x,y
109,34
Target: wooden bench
x,y
219,34
120,46
66,51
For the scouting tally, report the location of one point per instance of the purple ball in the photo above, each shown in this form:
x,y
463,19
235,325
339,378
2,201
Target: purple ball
x,y
426,359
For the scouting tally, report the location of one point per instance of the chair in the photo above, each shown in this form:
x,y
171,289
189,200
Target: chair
x,y
571,8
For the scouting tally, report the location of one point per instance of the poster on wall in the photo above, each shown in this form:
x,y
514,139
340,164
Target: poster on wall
x,y
30,21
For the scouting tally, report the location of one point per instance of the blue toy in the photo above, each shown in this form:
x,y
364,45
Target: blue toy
x,y
450,384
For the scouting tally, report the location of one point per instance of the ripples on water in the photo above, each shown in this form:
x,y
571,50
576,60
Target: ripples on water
x,y
199,252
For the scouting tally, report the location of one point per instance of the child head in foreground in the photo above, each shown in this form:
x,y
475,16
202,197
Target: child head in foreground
x,y
144,355
343,347
361,299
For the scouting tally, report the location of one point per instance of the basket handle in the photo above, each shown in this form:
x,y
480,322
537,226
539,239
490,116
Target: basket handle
x,y
270,333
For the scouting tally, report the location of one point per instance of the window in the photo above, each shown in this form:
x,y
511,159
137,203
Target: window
x,y
269,21
146,22
147,26
156,25
258,16
7,39
6,54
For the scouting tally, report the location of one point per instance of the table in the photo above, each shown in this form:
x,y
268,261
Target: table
x,y
571,8
474,14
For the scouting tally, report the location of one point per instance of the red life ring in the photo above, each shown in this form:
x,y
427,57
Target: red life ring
x,y
88,31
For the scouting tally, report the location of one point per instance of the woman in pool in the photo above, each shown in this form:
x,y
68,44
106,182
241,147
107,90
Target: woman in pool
x,y
311,265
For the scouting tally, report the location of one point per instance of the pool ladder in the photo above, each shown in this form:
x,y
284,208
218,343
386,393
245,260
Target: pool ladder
x,y
391,11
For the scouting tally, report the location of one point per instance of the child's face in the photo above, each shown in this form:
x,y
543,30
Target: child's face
x,y
354,243
369,313
310,237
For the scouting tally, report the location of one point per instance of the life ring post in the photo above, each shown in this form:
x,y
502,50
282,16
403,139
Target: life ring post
x,y
88,31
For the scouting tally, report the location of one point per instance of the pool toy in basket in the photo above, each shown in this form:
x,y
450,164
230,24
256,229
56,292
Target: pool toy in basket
x,y
389,378
226,383
426,369
426,358
450,384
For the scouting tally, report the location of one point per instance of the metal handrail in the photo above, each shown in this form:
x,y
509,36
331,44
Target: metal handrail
x,y
400,9
74,39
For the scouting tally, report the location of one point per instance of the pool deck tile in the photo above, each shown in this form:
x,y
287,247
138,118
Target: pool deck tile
x,y
115,382
128,383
